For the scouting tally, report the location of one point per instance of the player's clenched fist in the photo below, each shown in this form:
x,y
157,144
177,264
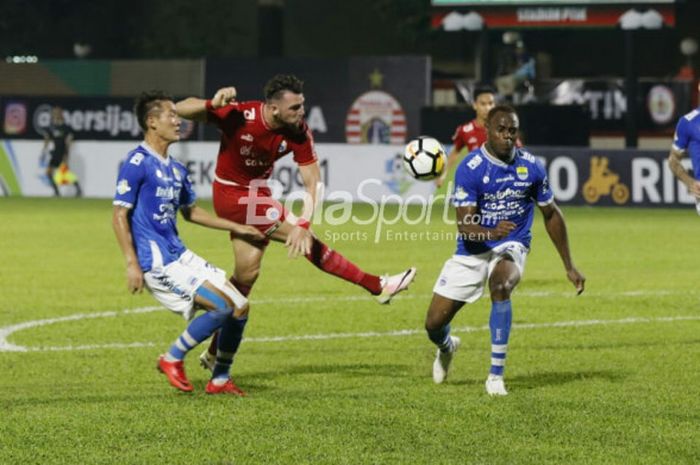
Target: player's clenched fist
x,y
223,97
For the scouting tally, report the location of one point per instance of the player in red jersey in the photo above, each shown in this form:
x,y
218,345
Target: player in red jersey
x,y
253,135
472,134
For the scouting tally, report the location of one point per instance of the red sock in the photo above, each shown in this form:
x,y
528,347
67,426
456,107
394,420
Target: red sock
x,y
333,263
245,290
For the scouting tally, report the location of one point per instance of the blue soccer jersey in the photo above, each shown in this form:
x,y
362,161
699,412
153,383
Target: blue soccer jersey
x,y
154,188
500,191
687,138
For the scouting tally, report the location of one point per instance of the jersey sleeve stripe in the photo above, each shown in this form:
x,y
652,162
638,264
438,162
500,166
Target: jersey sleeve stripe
x,y
121,203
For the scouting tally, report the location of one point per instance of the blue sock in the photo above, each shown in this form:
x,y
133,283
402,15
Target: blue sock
x,y
499,323
197,331
441,338
229,340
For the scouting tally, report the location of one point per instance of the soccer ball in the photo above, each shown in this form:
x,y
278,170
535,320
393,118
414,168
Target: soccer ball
x,y
424,158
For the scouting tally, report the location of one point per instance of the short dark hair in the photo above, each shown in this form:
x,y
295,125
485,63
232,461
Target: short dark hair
x,y
482,90
147,102
280,83
502,108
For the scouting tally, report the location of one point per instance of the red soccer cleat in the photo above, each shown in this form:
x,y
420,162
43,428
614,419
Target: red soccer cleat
x,y
227,388
175,371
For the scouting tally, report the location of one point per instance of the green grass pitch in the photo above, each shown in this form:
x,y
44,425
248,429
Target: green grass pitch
x,y
621,389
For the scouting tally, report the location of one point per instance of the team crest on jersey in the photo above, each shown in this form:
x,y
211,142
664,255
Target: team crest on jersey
x,y
522,173
123,187
283,147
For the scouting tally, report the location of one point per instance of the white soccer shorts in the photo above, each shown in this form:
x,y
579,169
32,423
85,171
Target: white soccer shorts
x,y
175,284
463,277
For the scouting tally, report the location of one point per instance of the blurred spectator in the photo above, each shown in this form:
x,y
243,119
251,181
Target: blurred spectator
x,y
516,71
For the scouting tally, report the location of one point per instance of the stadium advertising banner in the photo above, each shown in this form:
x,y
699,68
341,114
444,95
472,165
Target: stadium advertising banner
x,y
362,173
90,118
661,102
351,173
613,178
352,100
549,14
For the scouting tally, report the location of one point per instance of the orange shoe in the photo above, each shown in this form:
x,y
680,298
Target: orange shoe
x,y
227,388
175,371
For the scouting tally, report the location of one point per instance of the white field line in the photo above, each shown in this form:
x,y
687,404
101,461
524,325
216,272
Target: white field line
x,y
7,331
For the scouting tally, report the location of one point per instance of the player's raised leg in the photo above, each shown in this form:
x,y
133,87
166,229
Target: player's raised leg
x,y
437,325
332,262
504,278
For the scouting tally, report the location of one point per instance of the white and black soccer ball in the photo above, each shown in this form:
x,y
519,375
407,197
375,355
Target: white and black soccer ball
x,y
424,158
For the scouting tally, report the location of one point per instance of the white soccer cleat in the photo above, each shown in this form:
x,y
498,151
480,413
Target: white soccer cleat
x,y
392,285
207,360
442,361
495,386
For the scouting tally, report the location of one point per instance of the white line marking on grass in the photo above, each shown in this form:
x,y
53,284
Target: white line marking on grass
x,y
6,346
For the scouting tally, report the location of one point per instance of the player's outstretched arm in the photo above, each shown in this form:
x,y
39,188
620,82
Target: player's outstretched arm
x,y
122,229
556,228
674,163
198,215
194,108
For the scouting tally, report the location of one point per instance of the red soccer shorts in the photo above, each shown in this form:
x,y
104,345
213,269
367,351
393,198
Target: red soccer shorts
x,y
250,206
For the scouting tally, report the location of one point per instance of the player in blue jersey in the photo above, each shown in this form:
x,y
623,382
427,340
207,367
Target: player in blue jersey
x,y
151,188
686,141
496,188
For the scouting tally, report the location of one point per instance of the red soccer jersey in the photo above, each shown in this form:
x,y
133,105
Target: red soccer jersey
x,y
470,135
249,147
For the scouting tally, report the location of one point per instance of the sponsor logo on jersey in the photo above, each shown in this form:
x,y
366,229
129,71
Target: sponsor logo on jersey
x,y
136,159
522,173
165,192
159,173
247,137
460,193
246,150
249,114
474,162
283,147
486,179
123,187
507,178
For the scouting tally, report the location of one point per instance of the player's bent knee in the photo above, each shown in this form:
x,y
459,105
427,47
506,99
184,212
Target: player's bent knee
x,y
241,312
220,306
